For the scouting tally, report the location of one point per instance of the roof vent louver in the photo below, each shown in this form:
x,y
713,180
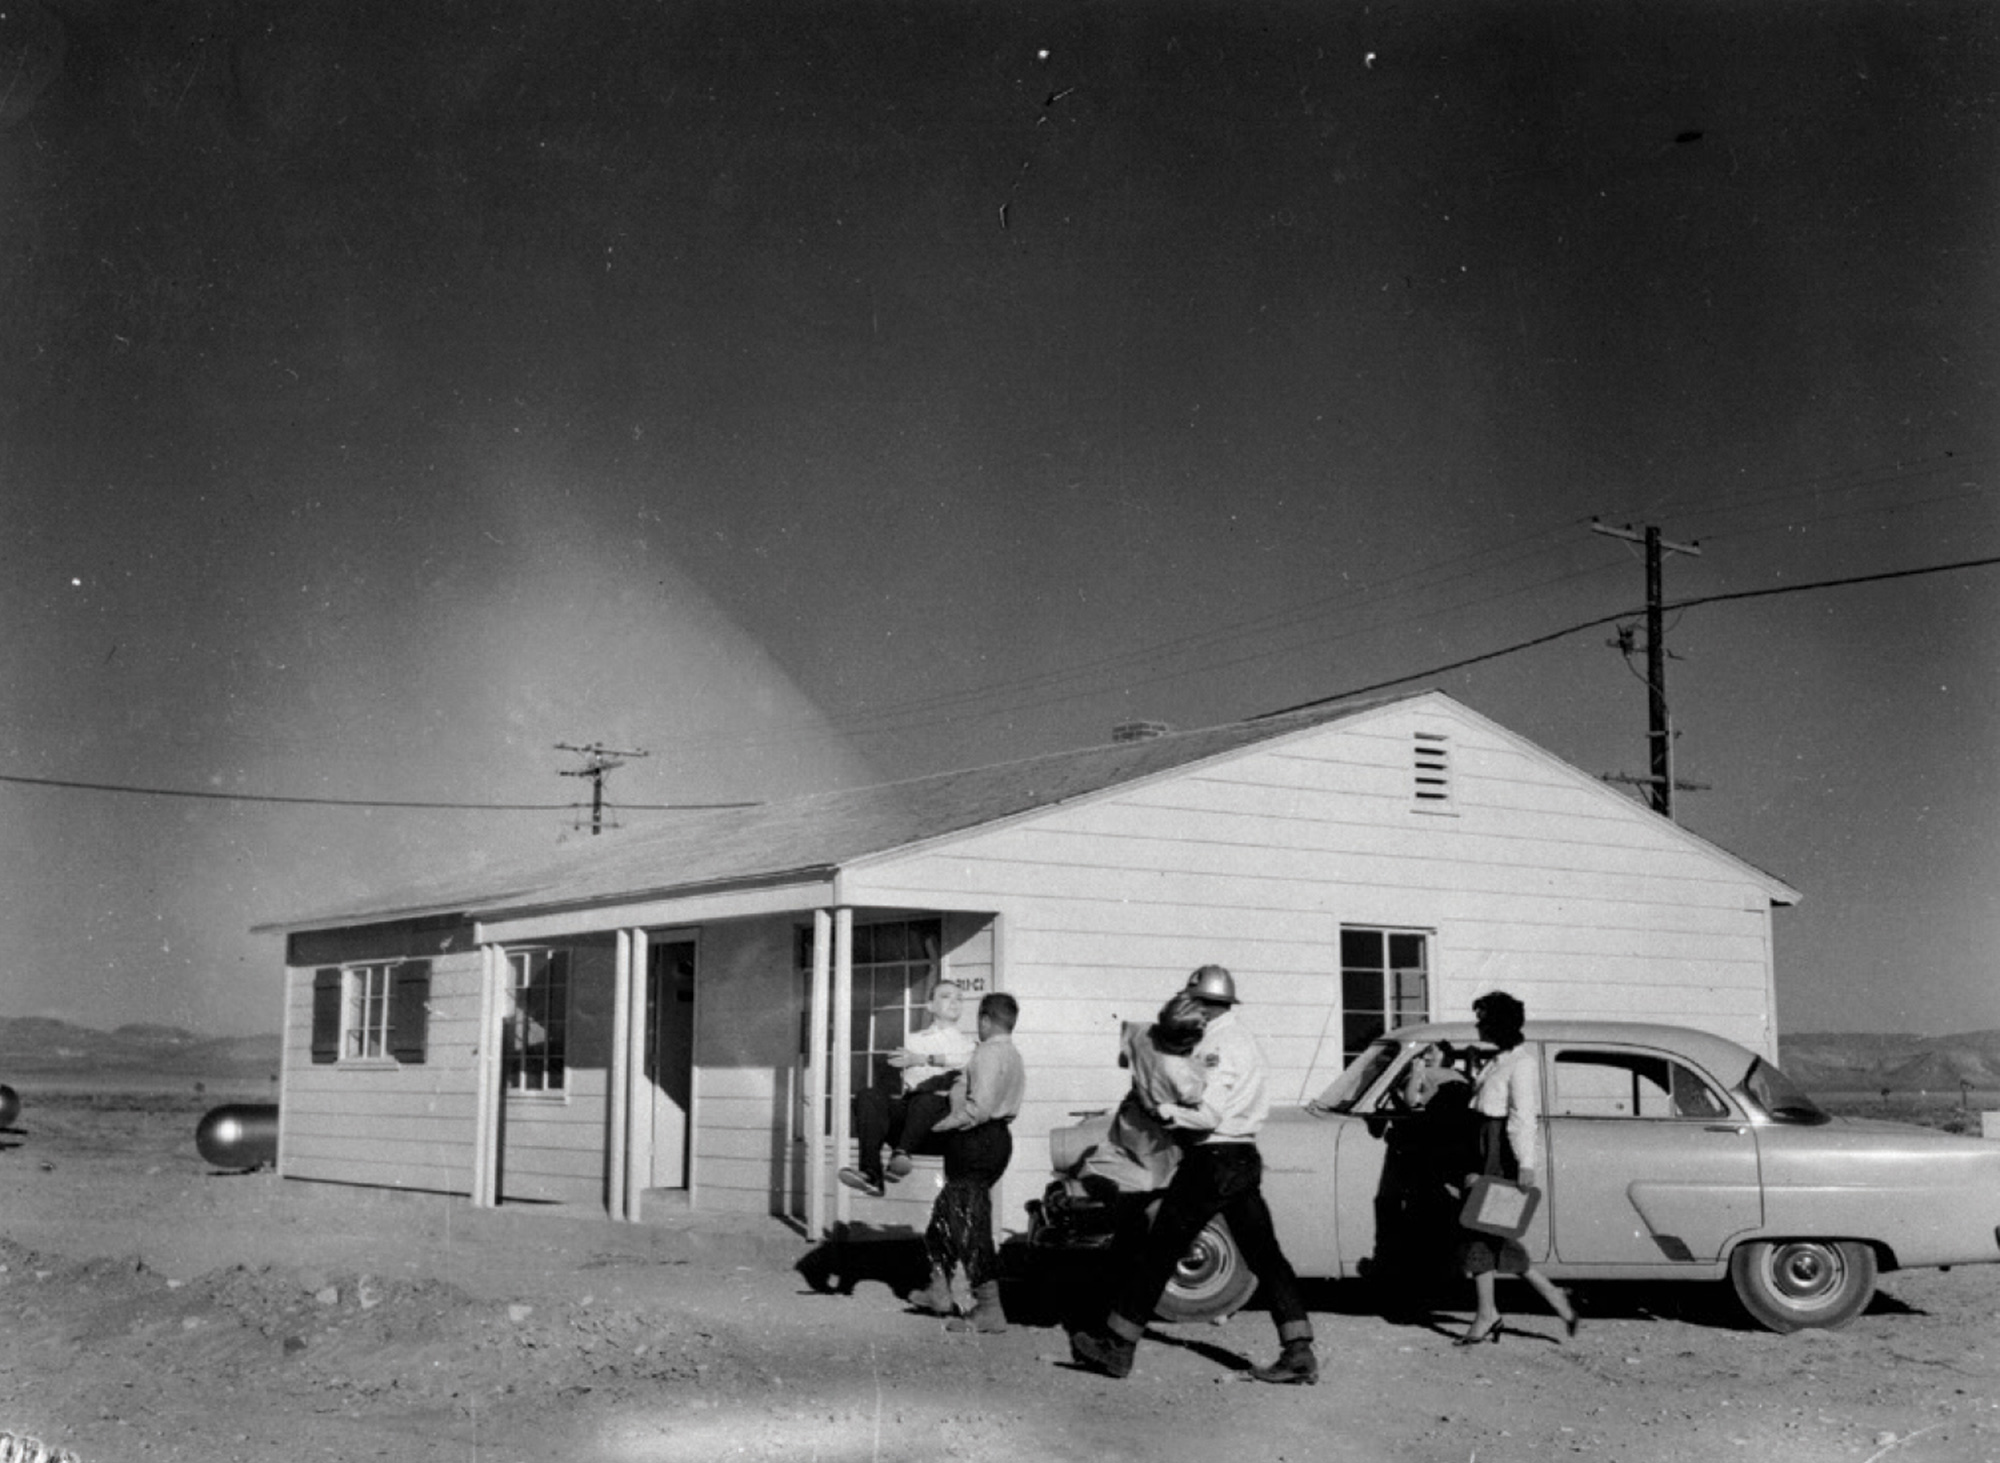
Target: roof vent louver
x,y
1432,787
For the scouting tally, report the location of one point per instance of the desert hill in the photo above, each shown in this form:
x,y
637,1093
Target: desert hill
x,y
1869,1062
39,1046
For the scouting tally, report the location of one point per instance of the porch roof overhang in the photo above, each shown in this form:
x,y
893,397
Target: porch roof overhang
x,y
797,891
802,888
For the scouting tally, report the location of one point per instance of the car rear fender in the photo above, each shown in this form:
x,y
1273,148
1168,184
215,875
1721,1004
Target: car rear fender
x,y
1920,1198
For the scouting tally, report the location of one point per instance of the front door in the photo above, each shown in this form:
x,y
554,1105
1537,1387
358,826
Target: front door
x,y
666,1096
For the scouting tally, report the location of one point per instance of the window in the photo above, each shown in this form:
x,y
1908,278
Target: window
x,y
534,1056
364,1018
1384,983
894,963
376,1012
1431,787
1627,1084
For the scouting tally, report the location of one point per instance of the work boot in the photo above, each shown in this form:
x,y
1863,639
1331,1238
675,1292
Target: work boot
x,y
1102,1352
935,1297
986,1313
1295,1365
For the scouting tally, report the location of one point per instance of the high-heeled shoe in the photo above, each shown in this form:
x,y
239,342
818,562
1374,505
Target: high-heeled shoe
x,y
1473,1338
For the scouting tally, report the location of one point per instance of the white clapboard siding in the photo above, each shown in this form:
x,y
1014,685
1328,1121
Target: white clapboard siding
x,y
447,1174
1564,891
1532,877
385,1123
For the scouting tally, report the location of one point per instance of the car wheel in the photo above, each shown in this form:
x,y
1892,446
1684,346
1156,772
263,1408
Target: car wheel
x,y
1211,1282
1792,1284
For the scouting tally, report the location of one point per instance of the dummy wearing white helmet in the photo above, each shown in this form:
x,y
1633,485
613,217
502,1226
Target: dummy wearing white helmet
x,y
1213,983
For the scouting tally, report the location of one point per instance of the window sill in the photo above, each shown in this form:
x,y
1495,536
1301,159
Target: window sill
x,y
369,1064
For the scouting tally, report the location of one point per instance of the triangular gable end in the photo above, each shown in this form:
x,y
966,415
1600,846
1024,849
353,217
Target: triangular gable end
x,y
1431,702
1777,889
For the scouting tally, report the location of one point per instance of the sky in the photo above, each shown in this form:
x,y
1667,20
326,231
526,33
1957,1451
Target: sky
x,y
810,395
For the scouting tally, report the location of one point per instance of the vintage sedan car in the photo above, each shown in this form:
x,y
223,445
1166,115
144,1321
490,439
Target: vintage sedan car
x,y
1670,1154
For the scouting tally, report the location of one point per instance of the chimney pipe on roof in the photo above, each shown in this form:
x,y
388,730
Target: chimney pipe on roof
x,y
1139,731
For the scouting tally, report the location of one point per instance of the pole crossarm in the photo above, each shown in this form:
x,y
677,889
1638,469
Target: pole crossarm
x,y
598,760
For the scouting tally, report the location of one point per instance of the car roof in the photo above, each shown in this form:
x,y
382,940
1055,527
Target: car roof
x,y
1721,1057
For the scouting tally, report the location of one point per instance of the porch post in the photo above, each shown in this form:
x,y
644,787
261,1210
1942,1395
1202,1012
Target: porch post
x,y
816,1048
619,1135
487,1095
843,1044
638,1144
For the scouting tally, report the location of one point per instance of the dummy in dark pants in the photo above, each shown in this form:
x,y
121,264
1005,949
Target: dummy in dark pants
x,y
1213,1178
977,1146
961,1227
902,1122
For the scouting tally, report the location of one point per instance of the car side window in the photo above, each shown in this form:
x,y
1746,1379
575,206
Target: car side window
x,y
1628,1084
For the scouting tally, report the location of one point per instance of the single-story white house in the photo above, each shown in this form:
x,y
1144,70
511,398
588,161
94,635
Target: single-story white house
x,y
668,1017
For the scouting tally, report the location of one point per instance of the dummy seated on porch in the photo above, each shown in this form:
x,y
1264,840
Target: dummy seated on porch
x,y
901,1115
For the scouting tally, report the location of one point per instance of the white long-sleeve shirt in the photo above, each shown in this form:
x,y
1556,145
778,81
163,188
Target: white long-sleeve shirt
x,y
1510,1087
1234,1101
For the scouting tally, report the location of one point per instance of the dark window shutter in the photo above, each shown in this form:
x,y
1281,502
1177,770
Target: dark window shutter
x,y
326,1014
409,1010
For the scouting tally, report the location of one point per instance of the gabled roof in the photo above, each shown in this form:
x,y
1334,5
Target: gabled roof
x,y
818,833
805,838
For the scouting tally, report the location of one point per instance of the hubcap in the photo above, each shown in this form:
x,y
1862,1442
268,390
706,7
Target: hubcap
x,y
1200,1267
1807,1274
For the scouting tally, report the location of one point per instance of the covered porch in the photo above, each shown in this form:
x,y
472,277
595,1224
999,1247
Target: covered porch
x,y
702,1054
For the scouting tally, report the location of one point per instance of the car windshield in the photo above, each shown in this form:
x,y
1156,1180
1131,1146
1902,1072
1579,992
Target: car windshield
x,y
1782,1099
1361,1074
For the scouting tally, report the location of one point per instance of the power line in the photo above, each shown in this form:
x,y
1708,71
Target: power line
x,y
1680,604
1437,670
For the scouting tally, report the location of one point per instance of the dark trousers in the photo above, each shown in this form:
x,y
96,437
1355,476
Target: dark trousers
x,y
903,1122
961,1227
1213,1178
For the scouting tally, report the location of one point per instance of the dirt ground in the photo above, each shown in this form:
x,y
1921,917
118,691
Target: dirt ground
x,y
153,1308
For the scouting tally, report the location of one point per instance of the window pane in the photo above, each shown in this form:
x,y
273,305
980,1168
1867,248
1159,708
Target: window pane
x,y
1694,1098
1406,951
890,1029
1361,947
1361,990
1610,1085
891,943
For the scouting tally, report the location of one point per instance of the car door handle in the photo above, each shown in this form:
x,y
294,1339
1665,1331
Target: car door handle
x,y
1737,1128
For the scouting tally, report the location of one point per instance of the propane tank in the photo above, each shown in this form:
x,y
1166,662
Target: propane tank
x,y
241,1135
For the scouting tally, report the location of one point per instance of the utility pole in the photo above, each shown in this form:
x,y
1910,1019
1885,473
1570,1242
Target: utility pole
x,y
1659,734
598,760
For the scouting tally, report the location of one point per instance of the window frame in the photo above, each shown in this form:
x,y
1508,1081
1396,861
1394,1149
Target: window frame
x,y
517,1062
869,1017
1607,1057
365,1003
1365,1021
356,1027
